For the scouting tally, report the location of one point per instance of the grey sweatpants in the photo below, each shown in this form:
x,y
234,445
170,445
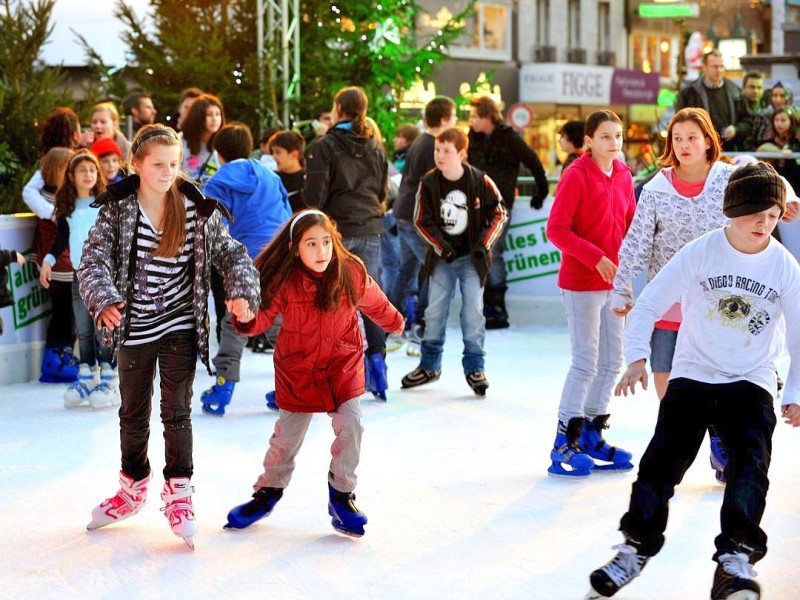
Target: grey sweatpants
x,y
229,356
290,431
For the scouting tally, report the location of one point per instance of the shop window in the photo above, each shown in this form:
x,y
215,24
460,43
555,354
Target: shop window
x,y
487,34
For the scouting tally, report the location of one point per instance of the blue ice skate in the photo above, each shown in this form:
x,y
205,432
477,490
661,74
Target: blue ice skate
x,y
375,371
244,515
718,459
59,365
592,442
347,519
217,397
272,404
568,460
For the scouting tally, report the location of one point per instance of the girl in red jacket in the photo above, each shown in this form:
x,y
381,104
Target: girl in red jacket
x,y
593,209
318,287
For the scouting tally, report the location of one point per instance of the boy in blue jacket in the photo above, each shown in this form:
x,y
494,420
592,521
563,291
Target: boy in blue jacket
x,y
258,203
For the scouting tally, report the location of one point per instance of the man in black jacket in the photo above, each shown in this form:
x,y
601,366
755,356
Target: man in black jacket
x,y
720,98
496,149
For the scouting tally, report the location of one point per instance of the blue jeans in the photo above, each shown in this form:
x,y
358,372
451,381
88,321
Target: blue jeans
x,y
390,252
473,323
595,334
412,257
88,336
368,249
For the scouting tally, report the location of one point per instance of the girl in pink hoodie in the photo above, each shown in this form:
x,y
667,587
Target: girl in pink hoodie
x,y
593,208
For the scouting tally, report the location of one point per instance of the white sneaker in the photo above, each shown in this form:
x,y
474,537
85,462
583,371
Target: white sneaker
x,y
394,342
78,393
128,501
106,393
177,495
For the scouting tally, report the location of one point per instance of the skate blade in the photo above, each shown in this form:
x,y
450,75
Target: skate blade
x,y
95,525
379,395
210,410
593,594
189,541
613,468
744,595
353,533
556,470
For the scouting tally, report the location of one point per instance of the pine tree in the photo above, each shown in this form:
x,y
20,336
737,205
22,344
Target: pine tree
x,y
200,43
28,93
372,44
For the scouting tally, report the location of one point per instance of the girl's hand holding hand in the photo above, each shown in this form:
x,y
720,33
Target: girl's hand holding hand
x,y
20,259
607,269
240,309
791,414
45,274
111,316
635,372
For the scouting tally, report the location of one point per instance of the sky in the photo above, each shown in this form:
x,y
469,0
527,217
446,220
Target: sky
x,y
455,487
94,20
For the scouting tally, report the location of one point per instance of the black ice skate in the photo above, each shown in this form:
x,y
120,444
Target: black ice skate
x,y
618,572
734,579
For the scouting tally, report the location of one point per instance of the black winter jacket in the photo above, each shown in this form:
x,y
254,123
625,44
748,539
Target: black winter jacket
x,y
499,156
346,178
486,216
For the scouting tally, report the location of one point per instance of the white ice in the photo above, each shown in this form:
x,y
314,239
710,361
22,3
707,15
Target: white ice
x,y
459,501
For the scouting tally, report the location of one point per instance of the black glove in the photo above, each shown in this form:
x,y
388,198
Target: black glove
x,y
537,203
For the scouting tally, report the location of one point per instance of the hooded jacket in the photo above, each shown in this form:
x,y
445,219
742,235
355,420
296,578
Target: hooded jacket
x,y
499,156
486,219
107,268
319,355
347,178
256,199
590,216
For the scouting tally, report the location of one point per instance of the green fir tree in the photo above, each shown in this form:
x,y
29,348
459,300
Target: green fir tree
x,y
29,91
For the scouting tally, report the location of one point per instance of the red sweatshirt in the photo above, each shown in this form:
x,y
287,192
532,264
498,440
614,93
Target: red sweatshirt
x,y
590,216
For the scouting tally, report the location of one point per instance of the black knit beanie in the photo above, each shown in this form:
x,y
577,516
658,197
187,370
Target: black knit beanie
x,y
753,188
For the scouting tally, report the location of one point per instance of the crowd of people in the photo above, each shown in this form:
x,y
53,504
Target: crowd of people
x,y
302,242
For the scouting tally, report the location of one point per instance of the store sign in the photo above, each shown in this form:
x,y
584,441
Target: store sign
x,y
634,87
23,321
565,83
586,84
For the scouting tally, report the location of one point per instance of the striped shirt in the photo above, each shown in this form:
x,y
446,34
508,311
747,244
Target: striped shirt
x,y
162,287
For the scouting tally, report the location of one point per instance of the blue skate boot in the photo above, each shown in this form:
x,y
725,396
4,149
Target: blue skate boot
x,y
567,457
594,445
375,371
244,515
347,519
59,366
718,458
272,404
217,397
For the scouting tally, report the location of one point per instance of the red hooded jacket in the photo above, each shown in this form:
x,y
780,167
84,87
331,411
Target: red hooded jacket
x,y
319,356
590,216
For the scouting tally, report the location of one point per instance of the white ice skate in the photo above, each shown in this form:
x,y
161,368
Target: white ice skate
x,y
79,392
106,393
179,511
128,501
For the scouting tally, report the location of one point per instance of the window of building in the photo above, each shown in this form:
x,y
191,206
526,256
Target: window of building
x,y
543,22
603,26
487,34
574,17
